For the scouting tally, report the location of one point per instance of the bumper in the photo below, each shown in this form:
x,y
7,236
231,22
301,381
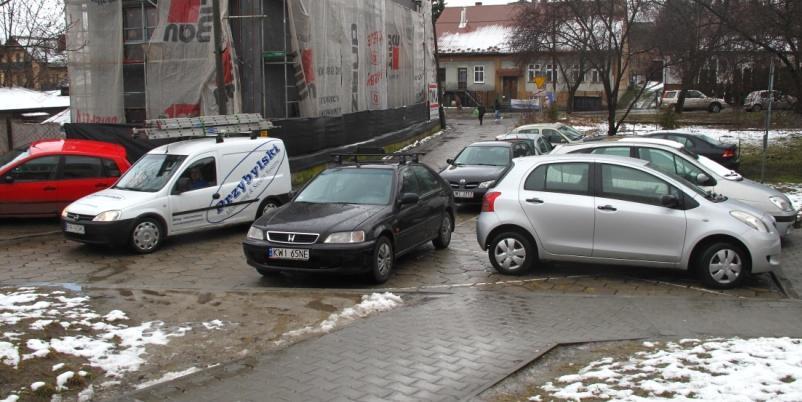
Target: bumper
x,y
476,195
486,222
786,222
765,252
112,233
334,258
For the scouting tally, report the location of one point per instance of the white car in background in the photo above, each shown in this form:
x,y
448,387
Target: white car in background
x,y
694,100
671,157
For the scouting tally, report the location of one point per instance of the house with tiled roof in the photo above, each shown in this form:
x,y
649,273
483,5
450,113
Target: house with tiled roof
x,y
477,64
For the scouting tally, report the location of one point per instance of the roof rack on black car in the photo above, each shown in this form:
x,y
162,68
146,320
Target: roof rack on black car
x,y
363,158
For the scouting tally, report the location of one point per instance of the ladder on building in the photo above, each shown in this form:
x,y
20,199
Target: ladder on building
x,y
205,126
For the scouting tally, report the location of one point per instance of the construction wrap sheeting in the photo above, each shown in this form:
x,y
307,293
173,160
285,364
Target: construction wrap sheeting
x,y
180,65
95,52
358,55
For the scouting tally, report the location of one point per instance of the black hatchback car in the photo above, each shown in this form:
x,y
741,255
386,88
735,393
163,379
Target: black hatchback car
x,y
723,153
355,218
478,166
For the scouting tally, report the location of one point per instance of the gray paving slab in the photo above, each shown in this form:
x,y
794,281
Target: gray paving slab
x,y
455,346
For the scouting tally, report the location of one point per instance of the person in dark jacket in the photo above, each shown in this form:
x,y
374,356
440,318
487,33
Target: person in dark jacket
x,y
481,110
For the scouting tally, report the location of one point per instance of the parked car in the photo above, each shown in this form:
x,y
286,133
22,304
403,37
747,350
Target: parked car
x,y
672,158
42,178
725,154
355,219
614,210
476,168
183,187
540,146
694,100
554,133
759,100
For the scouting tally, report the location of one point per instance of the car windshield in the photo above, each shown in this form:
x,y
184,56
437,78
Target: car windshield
x,y
13,156
364,186
571,133
150,173
484,155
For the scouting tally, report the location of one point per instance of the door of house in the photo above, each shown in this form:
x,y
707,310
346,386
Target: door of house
x,y
462,78
510,88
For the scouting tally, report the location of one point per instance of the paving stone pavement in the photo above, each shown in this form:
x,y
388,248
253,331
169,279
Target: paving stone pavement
x,y
452,347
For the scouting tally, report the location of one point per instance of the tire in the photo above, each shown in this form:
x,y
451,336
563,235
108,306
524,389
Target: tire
x,y
443,238
382,262
516,263
756,108
722,265
267,205
147,236
714,108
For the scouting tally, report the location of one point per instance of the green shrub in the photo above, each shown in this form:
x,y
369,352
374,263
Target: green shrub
x,y
668,119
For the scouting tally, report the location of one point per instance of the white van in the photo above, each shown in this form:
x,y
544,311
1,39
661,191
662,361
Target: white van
x,y
184,187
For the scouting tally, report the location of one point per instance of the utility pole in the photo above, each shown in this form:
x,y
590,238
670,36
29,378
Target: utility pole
x,y
218,58
768,122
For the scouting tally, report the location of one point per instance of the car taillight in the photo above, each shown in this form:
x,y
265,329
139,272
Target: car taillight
x,y
728,153
489,201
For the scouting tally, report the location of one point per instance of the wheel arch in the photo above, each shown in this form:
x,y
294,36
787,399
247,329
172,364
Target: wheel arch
x,y
699,247
509,227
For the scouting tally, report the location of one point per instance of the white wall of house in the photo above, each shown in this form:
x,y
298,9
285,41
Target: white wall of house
x,y
591,82
488,83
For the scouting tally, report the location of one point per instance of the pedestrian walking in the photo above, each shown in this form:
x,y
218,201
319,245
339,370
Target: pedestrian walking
x,y
481,110
497,110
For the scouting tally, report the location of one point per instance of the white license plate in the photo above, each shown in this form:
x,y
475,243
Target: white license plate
x,y
288,253
72,228
463,194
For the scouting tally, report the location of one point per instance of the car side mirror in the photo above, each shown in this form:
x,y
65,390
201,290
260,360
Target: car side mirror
x,y
409,198
669,201
9,179
450,161
702,179
183,185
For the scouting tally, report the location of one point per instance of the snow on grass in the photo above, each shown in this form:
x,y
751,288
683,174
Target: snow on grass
x,y
10,398
61,380
794,193
373,303
168,376
420,142
9,354
752,137
735,369
213,324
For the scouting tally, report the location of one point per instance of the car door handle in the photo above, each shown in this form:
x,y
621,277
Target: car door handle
x,y
49,188
534,200
607,208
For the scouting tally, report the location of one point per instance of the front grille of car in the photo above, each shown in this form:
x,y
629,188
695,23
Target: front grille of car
x,y
79,217
292,237
468,185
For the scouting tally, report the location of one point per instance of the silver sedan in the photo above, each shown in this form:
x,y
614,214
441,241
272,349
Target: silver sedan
x,y
616,210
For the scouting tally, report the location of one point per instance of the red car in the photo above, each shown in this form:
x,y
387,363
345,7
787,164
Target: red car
x,y
42,178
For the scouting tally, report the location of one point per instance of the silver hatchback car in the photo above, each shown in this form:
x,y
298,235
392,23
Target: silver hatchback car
x,y
617,210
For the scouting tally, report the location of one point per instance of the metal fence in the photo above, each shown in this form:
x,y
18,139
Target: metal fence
x,y
23,133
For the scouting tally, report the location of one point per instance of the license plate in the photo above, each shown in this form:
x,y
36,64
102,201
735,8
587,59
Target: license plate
x,y
72,228
463,194
288,253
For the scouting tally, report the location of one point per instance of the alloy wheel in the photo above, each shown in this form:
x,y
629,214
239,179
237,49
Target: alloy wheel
x,y
384,259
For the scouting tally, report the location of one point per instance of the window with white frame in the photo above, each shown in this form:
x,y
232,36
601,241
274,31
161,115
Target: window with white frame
x,y
479,74
551,73
594,76
575,73
532,72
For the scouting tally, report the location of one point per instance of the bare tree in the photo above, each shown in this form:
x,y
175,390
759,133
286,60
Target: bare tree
x,y
770,26
36,26
602,29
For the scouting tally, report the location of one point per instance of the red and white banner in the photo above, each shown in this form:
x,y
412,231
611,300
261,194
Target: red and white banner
x,y
180,65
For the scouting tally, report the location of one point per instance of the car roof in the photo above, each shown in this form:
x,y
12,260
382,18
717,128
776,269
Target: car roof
x,y
518,136
541,125
490,144
583,157
78,147
649,140
200,145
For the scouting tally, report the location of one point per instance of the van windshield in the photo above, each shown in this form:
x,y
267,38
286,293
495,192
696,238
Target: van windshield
x,y
150,173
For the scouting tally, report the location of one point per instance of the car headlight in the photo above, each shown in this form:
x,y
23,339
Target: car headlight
x,y
346,237
781,202
750,220
64,213
487,184
107,216
256,233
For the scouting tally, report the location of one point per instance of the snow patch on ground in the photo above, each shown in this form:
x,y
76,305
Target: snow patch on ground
x,y
373,303
168,376
421,141
752,137
735,369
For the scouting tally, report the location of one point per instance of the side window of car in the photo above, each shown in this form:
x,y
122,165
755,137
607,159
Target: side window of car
x,y
426,180
39,169
694,94
200,174
680,139
572,178
544,146
110,168
629,184
617,151
553,136
687,170
81,167
409,184
520,149
660,160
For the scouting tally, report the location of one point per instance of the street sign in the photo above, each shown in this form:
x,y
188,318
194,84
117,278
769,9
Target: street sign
x,y
540,81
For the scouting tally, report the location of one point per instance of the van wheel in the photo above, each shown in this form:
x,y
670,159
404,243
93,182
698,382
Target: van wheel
x,y
511,253
267,205
383,260
715,108
147,236
722,265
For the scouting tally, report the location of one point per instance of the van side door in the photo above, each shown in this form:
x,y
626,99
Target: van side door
x,y
193,195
